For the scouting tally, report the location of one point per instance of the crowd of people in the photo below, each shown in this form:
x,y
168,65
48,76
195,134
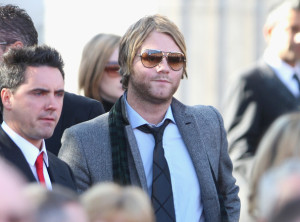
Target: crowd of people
x,y
127,150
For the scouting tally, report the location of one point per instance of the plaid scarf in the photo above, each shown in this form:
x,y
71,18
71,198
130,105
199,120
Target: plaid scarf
x,y
119,143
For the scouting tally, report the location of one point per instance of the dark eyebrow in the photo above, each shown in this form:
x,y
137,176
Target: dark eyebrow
x,y
46,90
60,91
40,89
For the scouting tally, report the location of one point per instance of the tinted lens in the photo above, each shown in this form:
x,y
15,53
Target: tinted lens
x,y
151,58
112,68
176,60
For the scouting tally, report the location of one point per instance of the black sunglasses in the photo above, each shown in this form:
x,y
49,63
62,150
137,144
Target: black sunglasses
x,y
151,58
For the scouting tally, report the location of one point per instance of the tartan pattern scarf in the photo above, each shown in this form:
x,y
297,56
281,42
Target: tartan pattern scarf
x,y
119,143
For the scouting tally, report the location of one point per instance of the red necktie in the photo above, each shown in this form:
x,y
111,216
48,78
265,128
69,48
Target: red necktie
x,y
39,168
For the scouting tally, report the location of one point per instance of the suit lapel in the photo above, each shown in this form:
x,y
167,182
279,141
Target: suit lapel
x,y
136,158
276,85
136,167
56,175
12,153
193,138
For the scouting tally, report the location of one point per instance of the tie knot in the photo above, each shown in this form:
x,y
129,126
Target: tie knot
x,y
157,132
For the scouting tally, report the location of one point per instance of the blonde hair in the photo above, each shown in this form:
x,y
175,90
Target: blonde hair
x,y
134,37
280,142
95,56
107,201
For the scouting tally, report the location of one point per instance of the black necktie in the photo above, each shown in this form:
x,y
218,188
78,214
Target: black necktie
x,y
297,79
162,195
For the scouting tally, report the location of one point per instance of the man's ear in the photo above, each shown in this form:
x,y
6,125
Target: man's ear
x,y
6,95
268,29
17,44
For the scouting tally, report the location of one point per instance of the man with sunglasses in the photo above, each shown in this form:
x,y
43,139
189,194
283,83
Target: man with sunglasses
x,y
187,173
17,30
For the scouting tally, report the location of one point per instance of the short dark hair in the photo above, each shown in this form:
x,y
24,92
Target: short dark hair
x,y
16,61
16,25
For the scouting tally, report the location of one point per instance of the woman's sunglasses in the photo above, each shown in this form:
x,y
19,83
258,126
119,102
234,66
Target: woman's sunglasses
x,y
151,58
112,68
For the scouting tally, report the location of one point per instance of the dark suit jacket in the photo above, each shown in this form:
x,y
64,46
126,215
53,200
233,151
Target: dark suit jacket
x,y
59,171
258,98
76,109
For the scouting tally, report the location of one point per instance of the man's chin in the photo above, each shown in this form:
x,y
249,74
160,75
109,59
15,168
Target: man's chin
x,y
47,134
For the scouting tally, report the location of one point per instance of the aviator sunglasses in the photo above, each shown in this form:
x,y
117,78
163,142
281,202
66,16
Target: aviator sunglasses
x,y
151,58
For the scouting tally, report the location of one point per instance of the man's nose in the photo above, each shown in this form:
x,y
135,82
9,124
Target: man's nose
x,y
163,65
53,102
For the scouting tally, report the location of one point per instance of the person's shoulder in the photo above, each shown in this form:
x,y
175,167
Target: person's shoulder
x,y
55,160
72,98
80,108
255,71
203,110
98,122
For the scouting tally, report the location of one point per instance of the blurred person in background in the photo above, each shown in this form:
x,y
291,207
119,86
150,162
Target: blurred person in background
x,y
264,91
14,204
99,76
17,30
281,142
289,212
57,205
277,187
109,202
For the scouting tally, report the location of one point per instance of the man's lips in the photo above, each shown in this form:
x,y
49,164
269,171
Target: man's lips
x,y
162,80
49,119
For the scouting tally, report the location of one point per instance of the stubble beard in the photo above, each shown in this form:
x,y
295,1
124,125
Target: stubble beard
x,y
143,92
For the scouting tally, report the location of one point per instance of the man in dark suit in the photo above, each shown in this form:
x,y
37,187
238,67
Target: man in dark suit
x,y
264,91
32,91
17,30
269,88
186,171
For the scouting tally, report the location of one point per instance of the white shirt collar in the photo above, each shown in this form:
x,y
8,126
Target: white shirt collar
x,y
283,70
136,120
30,151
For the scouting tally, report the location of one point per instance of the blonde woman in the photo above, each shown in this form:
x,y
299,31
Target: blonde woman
x,y
281,142
109,202
99,76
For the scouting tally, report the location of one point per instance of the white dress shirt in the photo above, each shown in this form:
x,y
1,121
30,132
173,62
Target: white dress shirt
x,y
185,184
30,152
284,71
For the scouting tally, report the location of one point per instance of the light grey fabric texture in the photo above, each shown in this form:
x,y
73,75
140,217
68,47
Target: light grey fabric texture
x,y
86,148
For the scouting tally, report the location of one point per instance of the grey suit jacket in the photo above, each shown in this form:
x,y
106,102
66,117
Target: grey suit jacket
x,y
86,148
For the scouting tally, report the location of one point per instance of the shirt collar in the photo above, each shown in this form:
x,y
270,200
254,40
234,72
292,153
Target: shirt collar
x,y
30,151
281,68
136,120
